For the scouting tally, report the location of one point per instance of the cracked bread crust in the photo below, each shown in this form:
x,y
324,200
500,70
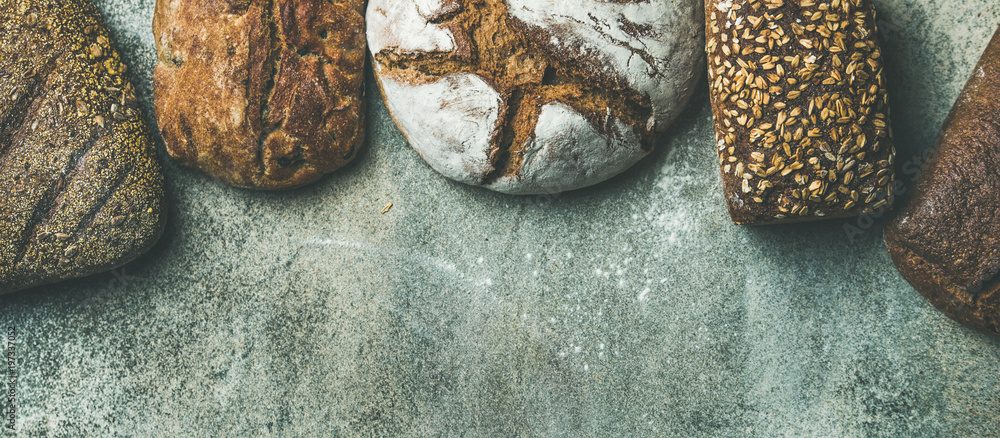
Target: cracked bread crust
x,y
946,240
497,94
262,94
81,188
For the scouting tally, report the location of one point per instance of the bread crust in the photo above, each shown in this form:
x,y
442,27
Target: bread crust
x,y
800,107
262,94
946,240
81,189
603,91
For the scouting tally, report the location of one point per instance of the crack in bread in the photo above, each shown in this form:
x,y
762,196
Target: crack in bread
x,y
19,111
269,96
556,100
491,44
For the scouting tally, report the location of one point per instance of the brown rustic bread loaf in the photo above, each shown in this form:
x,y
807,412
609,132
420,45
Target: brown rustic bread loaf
x,y
534,96
81,190
260,94
801,113
946,239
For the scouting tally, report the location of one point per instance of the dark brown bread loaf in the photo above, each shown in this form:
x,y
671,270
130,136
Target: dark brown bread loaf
x,y
260,94
81,190
801,113
946,239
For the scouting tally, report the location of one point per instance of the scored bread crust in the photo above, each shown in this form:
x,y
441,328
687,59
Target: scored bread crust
x,y
81,188
521,97
262,94
800,107
946,240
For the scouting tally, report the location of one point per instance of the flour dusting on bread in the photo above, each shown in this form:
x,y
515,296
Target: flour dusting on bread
x,y
578,91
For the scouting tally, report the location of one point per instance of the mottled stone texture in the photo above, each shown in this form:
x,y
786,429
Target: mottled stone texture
x,y
633,308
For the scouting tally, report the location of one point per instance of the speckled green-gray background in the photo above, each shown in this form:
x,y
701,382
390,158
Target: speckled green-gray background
x,y
633,308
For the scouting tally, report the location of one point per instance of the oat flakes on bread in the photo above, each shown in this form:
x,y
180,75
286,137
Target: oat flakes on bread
x,y
801,110
81,188
534,96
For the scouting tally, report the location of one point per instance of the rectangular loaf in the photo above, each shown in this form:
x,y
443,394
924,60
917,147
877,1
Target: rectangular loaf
x,y
801,113
946,240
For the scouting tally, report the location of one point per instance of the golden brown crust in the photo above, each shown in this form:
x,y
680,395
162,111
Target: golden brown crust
x,y
800,106
81,190
946,239
260,94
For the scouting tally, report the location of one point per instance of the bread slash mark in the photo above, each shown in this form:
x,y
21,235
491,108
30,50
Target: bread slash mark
x,y
527,76
13,122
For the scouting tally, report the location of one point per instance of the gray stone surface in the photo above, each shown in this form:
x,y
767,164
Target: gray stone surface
x,y
633,308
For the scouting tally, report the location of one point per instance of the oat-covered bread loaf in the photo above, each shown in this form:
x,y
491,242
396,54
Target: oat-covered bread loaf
x,y
801,113
81,190
534,96
946,239
260,94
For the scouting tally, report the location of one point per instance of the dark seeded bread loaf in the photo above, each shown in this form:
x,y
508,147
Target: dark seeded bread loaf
x,y
81,190
801,113
946,239
260,94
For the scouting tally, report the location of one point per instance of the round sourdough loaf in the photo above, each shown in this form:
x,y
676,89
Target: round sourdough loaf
x,y
535,96
262,94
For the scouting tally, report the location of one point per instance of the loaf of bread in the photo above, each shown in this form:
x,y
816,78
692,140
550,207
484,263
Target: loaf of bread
x,y
801,114
534,96
260,94
946,239
81,190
